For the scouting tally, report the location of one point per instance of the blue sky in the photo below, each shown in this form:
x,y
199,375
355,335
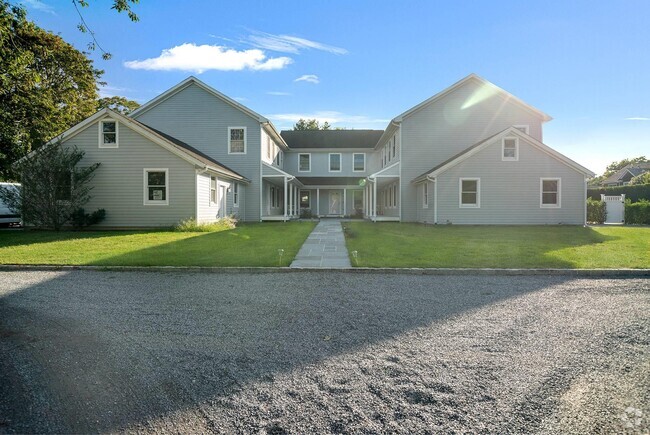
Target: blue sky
x,y
358,64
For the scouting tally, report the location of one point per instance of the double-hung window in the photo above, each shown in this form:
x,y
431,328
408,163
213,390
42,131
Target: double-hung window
x,y
425,195
335,162
108,134
235,195
359,162
550,192
236,140
213,190
304,162
156,185
470,192
510,149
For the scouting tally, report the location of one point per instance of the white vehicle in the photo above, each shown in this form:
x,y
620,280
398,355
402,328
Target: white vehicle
x,y
8,217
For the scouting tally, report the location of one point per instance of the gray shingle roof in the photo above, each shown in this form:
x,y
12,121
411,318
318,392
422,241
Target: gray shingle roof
x,y
331,138
633,169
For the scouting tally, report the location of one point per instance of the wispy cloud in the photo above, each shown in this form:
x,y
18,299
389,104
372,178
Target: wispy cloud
x,y
112,91
332,117
240,99
309,78
278,93
39,6
637,118
201,58
289,44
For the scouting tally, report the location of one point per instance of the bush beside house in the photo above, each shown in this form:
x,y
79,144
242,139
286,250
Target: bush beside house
x,y
596,211
637,212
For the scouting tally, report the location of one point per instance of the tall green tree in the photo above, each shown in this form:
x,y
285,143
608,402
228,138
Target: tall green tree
x,y
119,104
311,124
46,86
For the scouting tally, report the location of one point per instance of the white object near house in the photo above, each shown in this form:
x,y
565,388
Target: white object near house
x,y
615,206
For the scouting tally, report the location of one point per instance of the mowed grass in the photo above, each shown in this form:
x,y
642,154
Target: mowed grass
x,y
388,244
247,245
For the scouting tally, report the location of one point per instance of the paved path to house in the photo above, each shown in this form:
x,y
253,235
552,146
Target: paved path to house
x,y
325,247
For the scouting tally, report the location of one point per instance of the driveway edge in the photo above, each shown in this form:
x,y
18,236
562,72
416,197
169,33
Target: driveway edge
x,y
385,270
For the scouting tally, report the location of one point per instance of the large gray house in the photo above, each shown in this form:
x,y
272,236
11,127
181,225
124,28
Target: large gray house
x,y
472,154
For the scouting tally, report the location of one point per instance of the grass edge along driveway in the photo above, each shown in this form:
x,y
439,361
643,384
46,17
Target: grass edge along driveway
x,y
392,244
254,245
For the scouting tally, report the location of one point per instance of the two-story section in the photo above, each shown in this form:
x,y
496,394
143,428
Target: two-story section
x,y
332,167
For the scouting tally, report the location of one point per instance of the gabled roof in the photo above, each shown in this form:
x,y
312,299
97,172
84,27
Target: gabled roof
x,y
331,138
209,89
473,78
181,149
633,169
510,131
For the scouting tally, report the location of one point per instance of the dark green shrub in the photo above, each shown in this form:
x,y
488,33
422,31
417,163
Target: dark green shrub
x,y
637,212
596,211
82,219
305,213
632,192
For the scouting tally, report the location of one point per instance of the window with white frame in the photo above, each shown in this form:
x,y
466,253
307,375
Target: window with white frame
x,y
269,148
335,162
304,162
213,190
236,140
305,199
550,192
278,157
510,149
394,146
156,182
524,128
108,134
382,157
235,195
272,196
425,195
470,192
359,162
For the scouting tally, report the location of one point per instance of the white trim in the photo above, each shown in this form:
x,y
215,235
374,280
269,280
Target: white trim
x,y
235,194
329,162
376,174
145,190
435,201
364,162
559,192
425,194
478,192
526,128
304,154
503,149
401,187
101,133
212,200
229,139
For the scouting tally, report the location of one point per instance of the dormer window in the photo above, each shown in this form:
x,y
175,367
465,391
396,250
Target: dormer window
x,y
510,149
108,134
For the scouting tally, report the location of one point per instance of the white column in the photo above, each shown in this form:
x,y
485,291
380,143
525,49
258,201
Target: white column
x,y
374,199
317,202
290,211
296,204
344,200
285,198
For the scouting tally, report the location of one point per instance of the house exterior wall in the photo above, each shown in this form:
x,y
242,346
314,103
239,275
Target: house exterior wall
x,y
320,163
450,125
200,119
425,215
510,191
118,185
207,210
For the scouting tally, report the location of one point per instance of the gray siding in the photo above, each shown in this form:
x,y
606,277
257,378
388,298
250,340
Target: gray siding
x,y
448,126
202,120
510,191
425,215
320,163
209,211
118,185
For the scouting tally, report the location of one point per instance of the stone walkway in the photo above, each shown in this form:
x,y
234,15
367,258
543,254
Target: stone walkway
x,y
325,247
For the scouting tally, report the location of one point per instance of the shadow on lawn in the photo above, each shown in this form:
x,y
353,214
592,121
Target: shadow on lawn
x,y
105,351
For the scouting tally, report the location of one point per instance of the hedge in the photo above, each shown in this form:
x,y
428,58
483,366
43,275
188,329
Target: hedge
x,y
634,192
637,212
596,211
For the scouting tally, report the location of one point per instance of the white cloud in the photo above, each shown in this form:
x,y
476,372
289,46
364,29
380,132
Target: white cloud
x,y
637,118
286,120
200,58
309,78
112,91
290,44
278,93
240,99
39,6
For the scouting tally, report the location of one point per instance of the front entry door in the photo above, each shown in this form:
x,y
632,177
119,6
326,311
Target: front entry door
x,y
335,203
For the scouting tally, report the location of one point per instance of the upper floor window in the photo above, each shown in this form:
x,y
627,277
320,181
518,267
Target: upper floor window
x,y
108,134
524,128
335,162
236,140
304,162
550,192
269,148
394,146
278,157
470,192
155,186
510,149
359,162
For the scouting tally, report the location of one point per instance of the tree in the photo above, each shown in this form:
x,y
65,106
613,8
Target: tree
x,y
615,166
54,187
119,104
46,86
641,179
311,124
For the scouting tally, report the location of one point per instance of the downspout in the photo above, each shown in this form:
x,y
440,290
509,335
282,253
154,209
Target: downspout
x,y
435,198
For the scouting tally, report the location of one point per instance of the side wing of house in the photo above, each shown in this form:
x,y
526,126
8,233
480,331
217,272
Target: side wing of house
x,y
530,185
466,113
217,127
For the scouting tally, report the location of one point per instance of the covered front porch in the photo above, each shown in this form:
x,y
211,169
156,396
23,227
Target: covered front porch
x,y
332,197
280,195
382,195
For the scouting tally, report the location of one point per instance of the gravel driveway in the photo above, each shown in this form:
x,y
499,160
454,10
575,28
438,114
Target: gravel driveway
x,y
306,352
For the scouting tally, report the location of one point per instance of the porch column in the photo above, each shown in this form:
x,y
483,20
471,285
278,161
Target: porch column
x,y
374,199
344,200
285,198
296,204
317,202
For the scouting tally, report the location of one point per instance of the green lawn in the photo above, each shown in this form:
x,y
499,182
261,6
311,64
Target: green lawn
x,y
248,245
414,245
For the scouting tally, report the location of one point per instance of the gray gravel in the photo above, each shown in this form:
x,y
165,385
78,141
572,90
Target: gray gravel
x,y
86,351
